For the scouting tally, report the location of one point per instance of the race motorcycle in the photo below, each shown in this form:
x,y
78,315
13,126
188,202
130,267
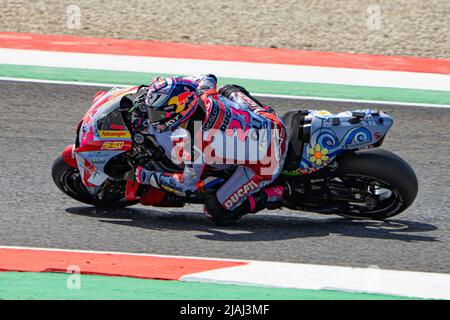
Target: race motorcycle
x,y
333,165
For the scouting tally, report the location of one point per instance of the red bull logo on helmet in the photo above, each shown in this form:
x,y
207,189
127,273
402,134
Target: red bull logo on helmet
x,y
182,99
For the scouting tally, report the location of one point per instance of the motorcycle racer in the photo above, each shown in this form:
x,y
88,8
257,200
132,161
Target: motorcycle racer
x,y
230,119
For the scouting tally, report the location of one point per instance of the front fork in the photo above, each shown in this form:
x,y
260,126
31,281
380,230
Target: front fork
x,y
131,190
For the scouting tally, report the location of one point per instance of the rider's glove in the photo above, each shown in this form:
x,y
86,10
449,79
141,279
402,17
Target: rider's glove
x,y
208,82
147,177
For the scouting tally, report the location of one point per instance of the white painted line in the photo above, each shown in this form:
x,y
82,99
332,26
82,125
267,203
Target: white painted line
x,y
378,102
241,70
280,96
321,277
62,82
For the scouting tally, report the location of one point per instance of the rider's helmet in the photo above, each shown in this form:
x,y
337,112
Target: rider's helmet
x,y
170,102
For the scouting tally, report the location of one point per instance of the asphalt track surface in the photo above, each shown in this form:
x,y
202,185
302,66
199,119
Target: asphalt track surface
x,y
38,120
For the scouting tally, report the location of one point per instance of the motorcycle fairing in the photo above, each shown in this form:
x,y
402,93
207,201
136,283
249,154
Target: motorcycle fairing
x,y
102,136
332,134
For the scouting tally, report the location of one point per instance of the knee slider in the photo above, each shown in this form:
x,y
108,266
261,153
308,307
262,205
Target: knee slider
x,y
221,216
214,208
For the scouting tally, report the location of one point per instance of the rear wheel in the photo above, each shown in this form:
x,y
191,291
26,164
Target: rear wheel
x,y
384,181
68,180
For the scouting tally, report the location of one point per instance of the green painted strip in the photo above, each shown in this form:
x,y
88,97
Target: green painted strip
x,y
29,285
257,86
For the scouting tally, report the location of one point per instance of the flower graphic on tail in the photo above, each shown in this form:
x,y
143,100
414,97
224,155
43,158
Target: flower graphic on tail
x,y
318,155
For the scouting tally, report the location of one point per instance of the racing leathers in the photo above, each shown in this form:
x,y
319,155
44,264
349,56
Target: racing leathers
x,y
235,132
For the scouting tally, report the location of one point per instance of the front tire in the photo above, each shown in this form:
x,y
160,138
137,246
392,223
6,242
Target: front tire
x,y
385,171
68,180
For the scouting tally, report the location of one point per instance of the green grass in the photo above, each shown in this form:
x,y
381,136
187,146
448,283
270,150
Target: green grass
x,y
29,285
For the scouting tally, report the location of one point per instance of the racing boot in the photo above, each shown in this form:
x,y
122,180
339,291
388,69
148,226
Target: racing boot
x,y
268,198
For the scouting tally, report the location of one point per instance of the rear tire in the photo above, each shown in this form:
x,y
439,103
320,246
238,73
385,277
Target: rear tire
x,y
387,168
68,180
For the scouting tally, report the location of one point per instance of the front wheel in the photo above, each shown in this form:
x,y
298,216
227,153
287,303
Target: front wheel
x,y
68,180
386,181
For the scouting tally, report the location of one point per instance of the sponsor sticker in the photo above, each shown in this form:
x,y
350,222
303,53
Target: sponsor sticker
x,y
113,134
214,114
97,161
113,145
240,193
377,135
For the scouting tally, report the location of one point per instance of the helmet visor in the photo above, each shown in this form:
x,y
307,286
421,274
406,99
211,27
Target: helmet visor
x,y
156,116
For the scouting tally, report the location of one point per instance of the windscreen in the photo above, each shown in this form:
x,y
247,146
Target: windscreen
x,y
112,126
